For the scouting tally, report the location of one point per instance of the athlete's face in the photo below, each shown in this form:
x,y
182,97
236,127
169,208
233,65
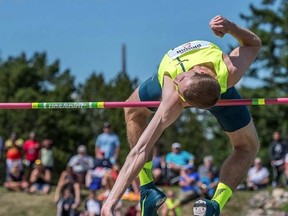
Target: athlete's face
x,y
184,80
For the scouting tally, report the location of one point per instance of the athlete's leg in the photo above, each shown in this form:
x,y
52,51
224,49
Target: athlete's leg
x,y
245,147
237,123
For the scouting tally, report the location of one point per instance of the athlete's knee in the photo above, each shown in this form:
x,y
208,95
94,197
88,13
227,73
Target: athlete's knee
x,y
246,139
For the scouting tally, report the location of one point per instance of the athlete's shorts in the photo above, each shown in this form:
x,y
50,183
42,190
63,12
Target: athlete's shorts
x,y
231,118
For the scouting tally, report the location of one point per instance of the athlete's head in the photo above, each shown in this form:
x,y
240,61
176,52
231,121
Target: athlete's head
x,y
201,90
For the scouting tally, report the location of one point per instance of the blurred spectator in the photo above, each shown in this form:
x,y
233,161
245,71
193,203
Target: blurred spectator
x,y
171,206
16,180
13,147
31,149
46,156
258,176
1,146
100,172
133,191
133,210
278,150
177,160
108,181
189,184
81,163
159,166
109,143
208,184
66,204
39,180
92,205
207,167
68,180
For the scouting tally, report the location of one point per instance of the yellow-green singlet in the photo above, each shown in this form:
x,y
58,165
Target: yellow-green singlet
x,y
186,56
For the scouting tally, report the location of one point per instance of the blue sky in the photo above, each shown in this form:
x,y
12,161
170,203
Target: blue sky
x,y
87,35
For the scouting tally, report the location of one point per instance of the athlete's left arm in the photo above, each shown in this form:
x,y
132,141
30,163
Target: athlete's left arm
x,y
244,55
168,111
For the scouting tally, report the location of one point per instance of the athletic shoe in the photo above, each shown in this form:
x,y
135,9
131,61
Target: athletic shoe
x,y
151,199
204,207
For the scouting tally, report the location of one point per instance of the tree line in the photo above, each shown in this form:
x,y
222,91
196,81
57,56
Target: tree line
x,y
32,79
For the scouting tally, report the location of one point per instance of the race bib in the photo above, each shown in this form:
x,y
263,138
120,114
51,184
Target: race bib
x,y
184,48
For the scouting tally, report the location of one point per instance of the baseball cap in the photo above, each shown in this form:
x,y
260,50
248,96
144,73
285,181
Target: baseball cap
x,y
106,125
176,145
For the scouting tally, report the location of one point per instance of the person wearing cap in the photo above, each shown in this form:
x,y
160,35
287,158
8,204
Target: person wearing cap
x,y
39,179
109,143
177,159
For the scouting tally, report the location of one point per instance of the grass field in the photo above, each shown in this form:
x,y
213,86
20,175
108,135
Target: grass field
x,y
22,204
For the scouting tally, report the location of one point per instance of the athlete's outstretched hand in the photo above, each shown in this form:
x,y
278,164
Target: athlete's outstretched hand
x,y
220,25
106,210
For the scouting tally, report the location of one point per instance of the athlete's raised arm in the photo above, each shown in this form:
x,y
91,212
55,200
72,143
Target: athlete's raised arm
x,y
242,56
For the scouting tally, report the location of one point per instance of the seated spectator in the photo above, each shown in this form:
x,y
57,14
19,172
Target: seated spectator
x,y
207,167
208,184
92,205
132,193
13,147
46,156
133,210
31,149
189,185
68,180
16,180
81,163
258,176
39,180
171,206
1,146
177,160
100,173
66,204
159,166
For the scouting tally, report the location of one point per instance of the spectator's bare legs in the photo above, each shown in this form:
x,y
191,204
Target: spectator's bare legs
x,y
108,181
136,121
245,147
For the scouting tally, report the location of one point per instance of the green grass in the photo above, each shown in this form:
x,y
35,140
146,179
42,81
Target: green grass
x,y
22,204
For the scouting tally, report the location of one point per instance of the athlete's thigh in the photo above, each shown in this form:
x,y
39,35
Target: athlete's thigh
x,y
231,118
245,137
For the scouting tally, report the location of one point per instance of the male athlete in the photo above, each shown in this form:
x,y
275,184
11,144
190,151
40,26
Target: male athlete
x,y
194,74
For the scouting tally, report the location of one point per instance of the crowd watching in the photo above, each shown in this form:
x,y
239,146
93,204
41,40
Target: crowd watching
x,y
88,178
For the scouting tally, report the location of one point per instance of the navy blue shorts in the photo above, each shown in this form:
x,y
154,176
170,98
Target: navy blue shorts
x,y
231,118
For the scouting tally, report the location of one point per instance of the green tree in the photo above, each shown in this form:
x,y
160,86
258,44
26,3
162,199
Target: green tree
x,y
117,89
33,79
269,21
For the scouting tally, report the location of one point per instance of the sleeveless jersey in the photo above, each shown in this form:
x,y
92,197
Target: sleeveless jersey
x,y
186,56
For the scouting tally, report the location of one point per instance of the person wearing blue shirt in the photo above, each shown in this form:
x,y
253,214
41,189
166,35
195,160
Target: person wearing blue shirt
x,y
177,160
108,142
189,184
209,184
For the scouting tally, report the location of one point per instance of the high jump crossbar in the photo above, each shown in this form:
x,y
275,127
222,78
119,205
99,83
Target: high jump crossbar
x,y
122,104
